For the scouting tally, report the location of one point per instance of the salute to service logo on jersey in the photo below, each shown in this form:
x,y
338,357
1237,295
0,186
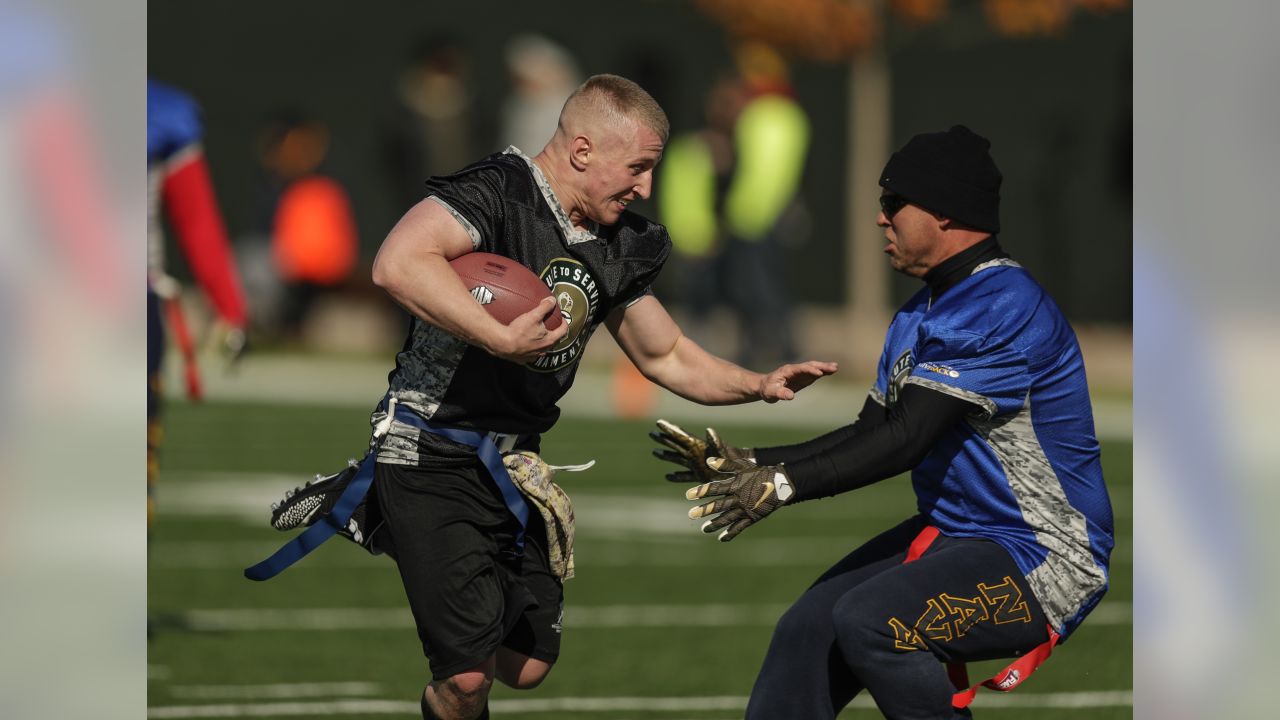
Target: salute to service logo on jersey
x,y
578,296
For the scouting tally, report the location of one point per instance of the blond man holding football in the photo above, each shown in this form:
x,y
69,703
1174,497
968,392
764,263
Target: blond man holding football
x,y
482,573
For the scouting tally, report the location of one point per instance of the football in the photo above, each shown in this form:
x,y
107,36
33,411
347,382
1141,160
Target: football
x,y
503,286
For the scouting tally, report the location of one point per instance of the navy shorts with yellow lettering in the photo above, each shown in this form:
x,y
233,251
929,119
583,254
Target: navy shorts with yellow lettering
x,y
873,623
453,536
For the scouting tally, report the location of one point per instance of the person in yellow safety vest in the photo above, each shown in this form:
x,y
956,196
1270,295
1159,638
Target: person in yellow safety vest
x,y
695,174
771,144
728,196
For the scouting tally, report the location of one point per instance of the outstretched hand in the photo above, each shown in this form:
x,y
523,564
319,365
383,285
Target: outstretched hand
x,y
786,381
743,494
692,453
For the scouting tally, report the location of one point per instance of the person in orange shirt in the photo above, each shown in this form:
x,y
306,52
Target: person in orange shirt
x,y
314,243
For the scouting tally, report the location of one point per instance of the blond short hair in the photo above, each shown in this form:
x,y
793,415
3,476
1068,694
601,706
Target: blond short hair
x,y
617,101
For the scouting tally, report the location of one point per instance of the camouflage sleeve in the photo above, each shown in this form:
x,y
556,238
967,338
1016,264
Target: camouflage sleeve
x,y
475,197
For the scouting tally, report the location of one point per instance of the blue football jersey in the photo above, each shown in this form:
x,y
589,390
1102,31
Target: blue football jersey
x,y
1023,470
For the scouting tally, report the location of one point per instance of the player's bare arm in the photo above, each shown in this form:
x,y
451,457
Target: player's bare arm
x,y
653,341
413,267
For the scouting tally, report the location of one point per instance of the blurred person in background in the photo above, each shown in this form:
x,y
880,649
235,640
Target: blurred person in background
x,y
435,130
460,498
697,170
695,175
542,75
178,185
308,218
981,393
762,213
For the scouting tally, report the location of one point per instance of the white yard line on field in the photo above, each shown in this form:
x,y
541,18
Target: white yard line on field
x,y
248,497
275,691
1063,700
599,549
359,382
576,616
287,709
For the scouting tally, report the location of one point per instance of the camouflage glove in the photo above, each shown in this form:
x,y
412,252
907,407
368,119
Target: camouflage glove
x,y
743,494
692,453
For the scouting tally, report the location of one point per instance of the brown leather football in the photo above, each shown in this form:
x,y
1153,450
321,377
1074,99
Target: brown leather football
x,y
503,286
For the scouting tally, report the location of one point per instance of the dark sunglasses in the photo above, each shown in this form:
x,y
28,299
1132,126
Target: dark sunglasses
x,y
891,204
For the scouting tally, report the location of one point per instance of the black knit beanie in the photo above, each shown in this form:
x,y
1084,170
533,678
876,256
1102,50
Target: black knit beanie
x,y
950,173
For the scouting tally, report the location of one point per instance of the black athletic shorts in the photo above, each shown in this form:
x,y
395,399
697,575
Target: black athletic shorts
x,y
453,537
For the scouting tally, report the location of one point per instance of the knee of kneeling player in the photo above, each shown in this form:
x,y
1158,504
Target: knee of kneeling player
x,y
802,625
862,634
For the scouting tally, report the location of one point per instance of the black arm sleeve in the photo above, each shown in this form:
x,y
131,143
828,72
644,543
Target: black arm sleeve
x,y
909,431
871,415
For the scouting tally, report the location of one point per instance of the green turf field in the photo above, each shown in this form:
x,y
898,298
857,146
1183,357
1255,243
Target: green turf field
x,y
661,622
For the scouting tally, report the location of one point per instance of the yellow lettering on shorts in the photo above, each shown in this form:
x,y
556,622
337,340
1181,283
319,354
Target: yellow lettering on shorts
x,y
905,638
964,612
1006,600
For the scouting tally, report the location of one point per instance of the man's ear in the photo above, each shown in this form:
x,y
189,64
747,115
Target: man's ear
x,y
580,152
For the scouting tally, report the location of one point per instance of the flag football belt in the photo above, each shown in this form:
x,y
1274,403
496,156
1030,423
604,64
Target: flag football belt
x,y
1005,680
489,448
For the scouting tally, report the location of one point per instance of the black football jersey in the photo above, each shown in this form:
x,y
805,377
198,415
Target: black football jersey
x,y
507,207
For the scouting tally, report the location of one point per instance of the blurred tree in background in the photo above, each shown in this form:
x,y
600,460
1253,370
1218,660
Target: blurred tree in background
x,y
836,29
